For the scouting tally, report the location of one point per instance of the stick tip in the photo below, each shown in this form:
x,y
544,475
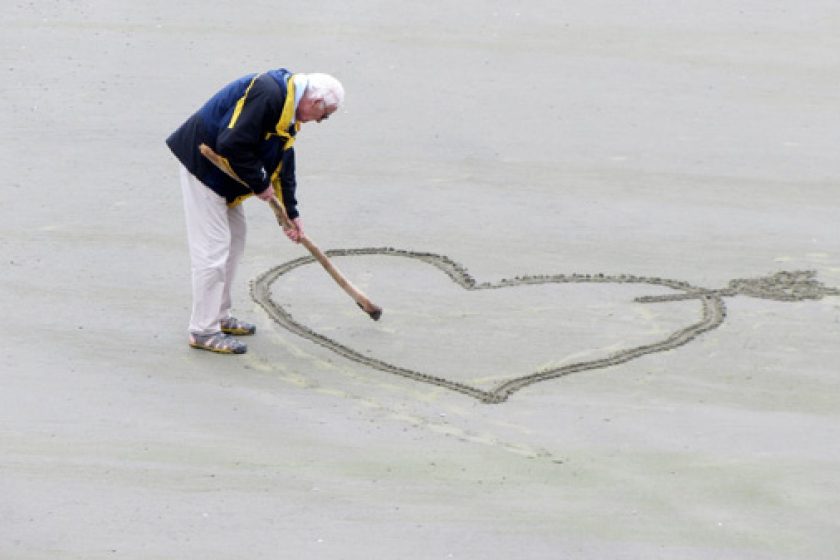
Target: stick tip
x,y
374,311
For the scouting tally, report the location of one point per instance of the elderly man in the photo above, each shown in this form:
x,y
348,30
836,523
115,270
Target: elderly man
x,y
251,124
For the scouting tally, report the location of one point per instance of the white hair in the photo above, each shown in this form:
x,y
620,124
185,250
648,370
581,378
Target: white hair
x,y
324,86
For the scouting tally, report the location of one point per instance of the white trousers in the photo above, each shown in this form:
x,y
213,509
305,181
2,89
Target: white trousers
x,y
216,236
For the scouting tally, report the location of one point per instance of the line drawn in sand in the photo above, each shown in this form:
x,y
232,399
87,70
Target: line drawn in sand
x,y
781,286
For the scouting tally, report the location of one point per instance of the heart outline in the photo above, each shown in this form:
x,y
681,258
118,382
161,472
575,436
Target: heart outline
x,y
713,314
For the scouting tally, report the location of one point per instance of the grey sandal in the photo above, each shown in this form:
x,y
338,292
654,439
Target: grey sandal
x,y
232,325
218,342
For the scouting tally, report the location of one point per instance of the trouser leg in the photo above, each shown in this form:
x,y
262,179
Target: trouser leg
x,y
209,236
238,231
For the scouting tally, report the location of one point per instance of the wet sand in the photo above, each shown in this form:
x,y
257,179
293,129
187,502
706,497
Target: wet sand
x,y
590,346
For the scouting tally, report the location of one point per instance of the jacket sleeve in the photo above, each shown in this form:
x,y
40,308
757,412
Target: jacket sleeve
x,y
288,183
240,138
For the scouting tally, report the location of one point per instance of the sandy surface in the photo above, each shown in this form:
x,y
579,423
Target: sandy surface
x,y
695,142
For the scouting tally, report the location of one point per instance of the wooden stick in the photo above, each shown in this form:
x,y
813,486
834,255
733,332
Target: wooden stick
x,y
358,296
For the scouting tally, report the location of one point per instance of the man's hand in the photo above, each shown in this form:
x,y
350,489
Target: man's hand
x,y
267,194
296,233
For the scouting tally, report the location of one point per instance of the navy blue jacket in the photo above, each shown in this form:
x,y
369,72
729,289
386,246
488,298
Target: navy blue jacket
x,y
248,123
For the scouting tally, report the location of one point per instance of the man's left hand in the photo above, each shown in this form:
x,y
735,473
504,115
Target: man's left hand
x,y
266,195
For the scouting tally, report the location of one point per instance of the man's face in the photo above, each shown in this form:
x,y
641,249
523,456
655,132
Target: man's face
x,y
312,110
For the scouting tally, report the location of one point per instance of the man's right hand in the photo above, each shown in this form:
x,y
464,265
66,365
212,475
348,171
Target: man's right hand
x,y
296,233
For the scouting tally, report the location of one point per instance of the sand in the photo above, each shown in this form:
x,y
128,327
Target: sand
x,y
610,301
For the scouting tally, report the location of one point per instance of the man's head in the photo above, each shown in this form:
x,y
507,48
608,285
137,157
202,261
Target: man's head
x,y
322,97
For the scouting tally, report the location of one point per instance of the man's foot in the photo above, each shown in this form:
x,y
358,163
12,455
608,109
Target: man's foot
x,y
232,325
218,342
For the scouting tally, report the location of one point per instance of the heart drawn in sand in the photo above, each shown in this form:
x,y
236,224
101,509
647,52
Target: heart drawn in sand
x,y
782,286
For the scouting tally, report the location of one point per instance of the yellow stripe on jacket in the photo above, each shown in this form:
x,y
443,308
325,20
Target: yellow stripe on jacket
x,y
241,103
281,129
